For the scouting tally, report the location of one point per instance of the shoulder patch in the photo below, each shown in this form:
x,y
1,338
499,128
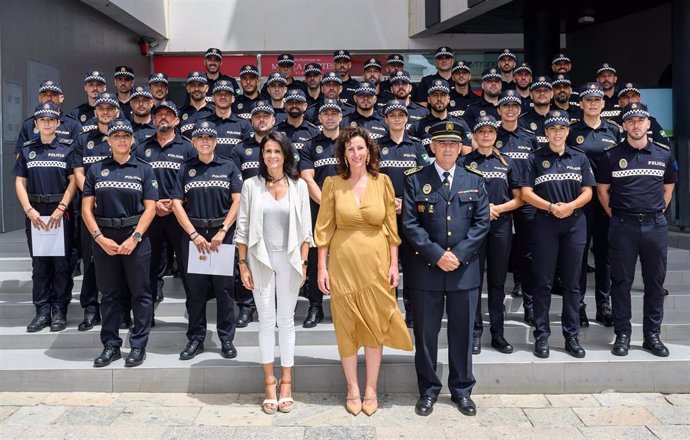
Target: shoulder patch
x,y
66,141
662,145
474,171
413,170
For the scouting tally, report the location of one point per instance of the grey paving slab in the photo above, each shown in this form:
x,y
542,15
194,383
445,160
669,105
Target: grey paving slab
x,y
340,433
678,399
670,415
84,432
616,416
570,400
671,432
96,416
21,398
6,411
273,432
524,400
508,433
552,417
631,399
200,432
80,399
411,433
236,415
618,433
36,415
148,415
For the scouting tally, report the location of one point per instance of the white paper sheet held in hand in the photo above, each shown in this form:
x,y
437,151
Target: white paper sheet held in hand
x,y
212,263
50,243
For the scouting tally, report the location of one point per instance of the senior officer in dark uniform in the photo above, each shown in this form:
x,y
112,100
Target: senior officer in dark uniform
x,y
635,184
119,204
166,152
317,161
94,85
398,153
557,182
45,186
205,202
501,179
594,135
446,219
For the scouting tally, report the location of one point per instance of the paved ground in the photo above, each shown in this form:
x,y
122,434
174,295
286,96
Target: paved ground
x,y
318,416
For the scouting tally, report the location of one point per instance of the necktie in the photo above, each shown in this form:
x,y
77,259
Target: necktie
x,y
446,182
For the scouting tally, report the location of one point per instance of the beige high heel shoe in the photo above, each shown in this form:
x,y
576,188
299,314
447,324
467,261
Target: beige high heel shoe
x,y
353,405
270,406
370,408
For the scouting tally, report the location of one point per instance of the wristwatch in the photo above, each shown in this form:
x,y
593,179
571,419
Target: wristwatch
x,y
137,236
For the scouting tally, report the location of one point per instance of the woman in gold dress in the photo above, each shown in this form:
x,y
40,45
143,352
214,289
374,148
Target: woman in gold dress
x,y
357,237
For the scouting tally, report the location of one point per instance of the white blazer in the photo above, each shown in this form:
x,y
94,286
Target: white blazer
x,y
250,227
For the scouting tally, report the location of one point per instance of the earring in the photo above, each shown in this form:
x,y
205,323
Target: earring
x,y
368,159
347,164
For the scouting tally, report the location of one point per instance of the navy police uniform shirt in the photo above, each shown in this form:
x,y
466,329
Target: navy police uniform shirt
x,y
166,161
420,129
120,189
637,176
374,123
319,155
349,88
534,122
499,172
69,128
395,159
242,106
206,189
189,115
231,131
83,113
435,221
143,131
415,112
557,178
299,135
517,145
594,141
246,156
46,167
459,103
479,109
125,110
91,147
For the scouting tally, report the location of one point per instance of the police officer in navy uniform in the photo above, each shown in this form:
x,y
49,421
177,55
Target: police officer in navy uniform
x,y
331,88
159,86
366,114
371,73
69,128
401,88
166,152
491,92
342,63
295,127
541,93
197,108
635,182
317,162
461,96
506,63
246,156
446,220
91,147
285,65
313,74
124,83
443,59
501,179
45,186
563,97
517,143
438,96
94,85
141,103
276,87
231,128
400,152
607,76
630,92
119,203
594,135
557,182
205,202
213,60
523,80
249,80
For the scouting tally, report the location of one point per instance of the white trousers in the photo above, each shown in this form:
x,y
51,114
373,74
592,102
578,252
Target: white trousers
x,y
276,305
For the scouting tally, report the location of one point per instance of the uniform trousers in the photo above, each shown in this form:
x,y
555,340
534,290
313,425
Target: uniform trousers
x,y
494,255
404,255
628,238
51,276
164,231
88,297
115,276
196,289
314,295
597,234
563,241
276,305
428,307
521,256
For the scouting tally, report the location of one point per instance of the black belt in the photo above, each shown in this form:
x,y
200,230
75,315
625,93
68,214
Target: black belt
x,y
45,198
207,223
117,223
639,216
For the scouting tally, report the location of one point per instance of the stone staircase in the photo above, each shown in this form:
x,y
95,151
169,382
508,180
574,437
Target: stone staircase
x,y
62,361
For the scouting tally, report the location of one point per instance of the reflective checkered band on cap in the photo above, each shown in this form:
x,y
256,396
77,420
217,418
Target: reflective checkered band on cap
x,y
47,110
200,131
295,95
560,57
395,58
286,59
124,71
438,86
460,65
50,86
606,68
541,81
633,112
507,53
485,121
158,78
523,66
507,97
556,120
331,77
557,178
341,55
330,104
628,87
249,70
141,91
372,62
637,172
365,88
213,52
262,106
94,75
400,75
276,77
197,77
206,184
312,68
164,164
561,79
120,125
490,74
395,104
444,52
46,164
107,98
136,186
223,86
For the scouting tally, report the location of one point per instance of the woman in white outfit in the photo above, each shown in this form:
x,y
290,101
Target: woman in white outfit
x,y
273,237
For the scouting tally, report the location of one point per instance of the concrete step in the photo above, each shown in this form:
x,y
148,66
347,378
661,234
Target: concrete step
x,y
318,370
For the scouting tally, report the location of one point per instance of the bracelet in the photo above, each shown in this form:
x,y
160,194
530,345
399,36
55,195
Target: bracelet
x,y
193,235
549,208
60,208
97,233
242,261
63,205
28,210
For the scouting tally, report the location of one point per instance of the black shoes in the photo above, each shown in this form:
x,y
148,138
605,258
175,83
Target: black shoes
x,y
90,319
314,316
409,319
136,357
517,290
654,345
465,405
38,323
500,344
604,315
476,345
584,321
126,320
541,347
58,322
424,406
621,345
159,294
193,348
109,354
246,316
573,347
529,317
228,350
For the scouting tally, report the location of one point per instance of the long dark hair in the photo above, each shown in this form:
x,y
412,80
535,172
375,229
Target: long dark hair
x,y
346,136
289,164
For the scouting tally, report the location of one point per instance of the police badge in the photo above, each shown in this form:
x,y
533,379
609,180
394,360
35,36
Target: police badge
x,y
105,172
580,139
32,155
623,163
546,164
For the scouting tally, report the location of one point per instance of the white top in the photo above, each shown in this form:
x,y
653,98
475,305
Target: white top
x,y
276,220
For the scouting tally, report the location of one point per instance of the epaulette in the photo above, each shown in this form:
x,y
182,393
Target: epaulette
x,y
614,123
411,171
29,142
414,138
66,141
610,147
664,146
527,130
475,171
311,124
579,150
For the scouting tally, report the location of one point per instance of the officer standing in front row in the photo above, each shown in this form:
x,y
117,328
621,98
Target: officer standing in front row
x,y
119,203
445,219
635,184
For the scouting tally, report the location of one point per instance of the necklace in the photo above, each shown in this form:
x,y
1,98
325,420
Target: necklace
x,y
272,181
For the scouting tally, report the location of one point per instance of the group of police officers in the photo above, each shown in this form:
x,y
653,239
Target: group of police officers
x,y
565,168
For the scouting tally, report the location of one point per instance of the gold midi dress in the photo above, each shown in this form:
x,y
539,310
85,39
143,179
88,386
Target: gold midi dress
x,y
363,305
